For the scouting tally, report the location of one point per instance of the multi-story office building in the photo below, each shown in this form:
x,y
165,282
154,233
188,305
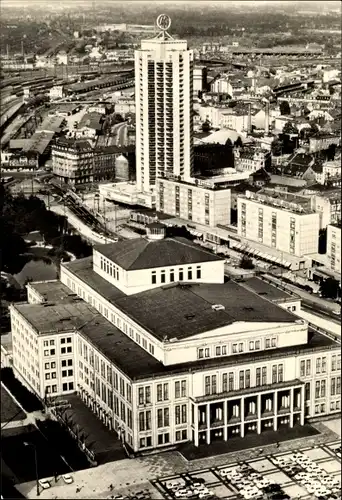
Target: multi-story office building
x,y
200,79
288,227
72,162
334,247
164,96
200,201
210,360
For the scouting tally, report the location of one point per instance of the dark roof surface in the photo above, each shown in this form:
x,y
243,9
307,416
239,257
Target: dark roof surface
x,y
266,290
146,254
83,269
191,306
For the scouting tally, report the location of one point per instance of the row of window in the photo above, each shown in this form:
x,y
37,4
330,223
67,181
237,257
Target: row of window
x,y
144,393
230,383
67,386
163,418
65,340
52,352
108,267
172,276
236,348
321,365
146,442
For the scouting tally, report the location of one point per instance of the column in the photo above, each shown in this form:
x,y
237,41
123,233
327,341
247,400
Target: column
x,y
208,422
302,405
242,414
196,416
259,414
275,409
225,420
291,406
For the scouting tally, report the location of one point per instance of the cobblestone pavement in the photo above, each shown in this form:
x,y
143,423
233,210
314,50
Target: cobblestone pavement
x,y
131,475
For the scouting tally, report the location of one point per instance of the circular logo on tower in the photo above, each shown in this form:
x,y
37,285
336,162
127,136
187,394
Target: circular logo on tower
x,y
163,22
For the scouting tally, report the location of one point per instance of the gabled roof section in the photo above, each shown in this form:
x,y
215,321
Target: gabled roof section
x,y
142,253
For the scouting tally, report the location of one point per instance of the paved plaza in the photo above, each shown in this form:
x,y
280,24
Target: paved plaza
x,y
150,473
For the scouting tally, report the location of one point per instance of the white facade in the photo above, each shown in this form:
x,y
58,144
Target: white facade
x,y
200,204
277,224
222,86
163,96
334,247
329,169
56,92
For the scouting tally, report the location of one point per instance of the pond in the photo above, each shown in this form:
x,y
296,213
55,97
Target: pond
x,y
37,270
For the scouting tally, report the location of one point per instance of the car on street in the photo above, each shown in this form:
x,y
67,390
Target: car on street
x,y
67,478
44,483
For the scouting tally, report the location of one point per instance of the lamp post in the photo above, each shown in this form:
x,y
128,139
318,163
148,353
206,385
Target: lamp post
x,y
35,463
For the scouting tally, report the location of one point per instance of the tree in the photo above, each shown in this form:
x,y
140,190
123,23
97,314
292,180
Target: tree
x,y
285,108
246,262
330,288
238,143
331,151
206,127
276,147
290,129
322,241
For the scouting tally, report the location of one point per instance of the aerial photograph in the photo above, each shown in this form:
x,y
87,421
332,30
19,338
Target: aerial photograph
x,y
170,249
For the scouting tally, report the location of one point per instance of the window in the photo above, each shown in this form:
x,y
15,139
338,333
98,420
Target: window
x,y
198,272
307,391
308,367
231,381
264,375
47,366
274,342
172,275
333,387
338,385
65,387
213,384
62,341
52,352
177,389
251,346
154,277
162,276
159,392
318,365
257,345
234,348
241,380
180,275
280,373
248,378
189,273
267,343
203,353
317,389
324,365
240,347
183,388
323,388
207,385
274,374
302,368
224,382
47,376
258,377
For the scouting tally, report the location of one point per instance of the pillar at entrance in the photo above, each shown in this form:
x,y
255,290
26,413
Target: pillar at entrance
x,y
275,406
259,414
242,413
208,422
291,406
196,416
302,405
225,421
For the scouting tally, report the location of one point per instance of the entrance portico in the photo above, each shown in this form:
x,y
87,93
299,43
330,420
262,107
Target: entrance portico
x,y
253,410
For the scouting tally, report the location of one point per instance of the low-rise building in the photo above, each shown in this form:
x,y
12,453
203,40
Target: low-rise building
x,y
323,141
56,92
202,201
252,159
328,170
269,218
89,127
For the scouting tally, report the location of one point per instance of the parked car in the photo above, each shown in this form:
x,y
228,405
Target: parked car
x,y
44,483
67,478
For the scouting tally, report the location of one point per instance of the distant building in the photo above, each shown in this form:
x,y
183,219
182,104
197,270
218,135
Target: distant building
x,y
200,79
124,106
323,141
273,221
89,127
210,157
252,159
56,92
334,246
73,162
326,171
200,201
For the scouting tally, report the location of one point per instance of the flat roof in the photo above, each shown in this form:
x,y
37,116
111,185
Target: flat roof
x,y
192,312
143,253
83,269
266,290
132,359
53,291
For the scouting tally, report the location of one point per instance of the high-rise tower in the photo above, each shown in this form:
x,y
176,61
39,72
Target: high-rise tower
x,y
163,94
